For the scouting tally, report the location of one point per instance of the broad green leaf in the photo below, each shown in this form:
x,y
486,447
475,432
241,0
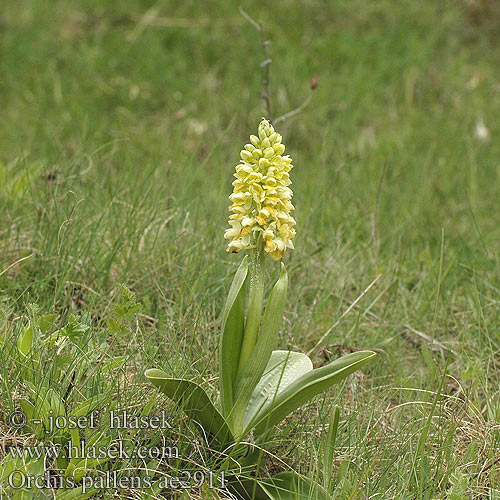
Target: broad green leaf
x,y
252,372
306,387
246,489
46,322
28,409
25,340
75,438
283,368
56,403
56,409
80,465
195,403
89,405
14,463
233,324
47,404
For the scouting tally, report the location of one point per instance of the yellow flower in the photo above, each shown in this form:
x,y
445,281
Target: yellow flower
x,y
261,199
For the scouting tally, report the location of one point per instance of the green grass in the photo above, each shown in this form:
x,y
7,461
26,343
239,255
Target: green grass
x,y
122,123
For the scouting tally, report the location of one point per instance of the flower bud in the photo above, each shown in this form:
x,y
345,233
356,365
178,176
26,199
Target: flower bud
x,y
246,156
263,163
279,149
266,143
257,154
268,153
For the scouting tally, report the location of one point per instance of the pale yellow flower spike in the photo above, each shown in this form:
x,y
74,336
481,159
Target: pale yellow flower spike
x,y
261,200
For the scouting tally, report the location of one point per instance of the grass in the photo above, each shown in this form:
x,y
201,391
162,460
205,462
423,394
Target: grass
x,y
122,125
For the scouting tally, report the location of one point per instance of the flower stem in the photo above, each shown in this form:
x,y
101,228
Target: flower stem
x,y
255,302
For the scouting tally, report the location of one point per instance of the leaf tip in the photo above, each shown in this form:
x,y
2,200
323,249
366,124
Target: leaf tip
x,y
154,373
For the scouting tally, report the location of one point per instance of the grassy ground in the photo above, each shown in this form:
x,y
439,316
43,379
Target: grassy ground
x,y
122,123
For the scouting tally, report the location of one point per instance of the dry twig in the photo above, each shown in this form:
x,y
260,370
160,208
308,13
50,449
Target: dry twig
x,y
266,65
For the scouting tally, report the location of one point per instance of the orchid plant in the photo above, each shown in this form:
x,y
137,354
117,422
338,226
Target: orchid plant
x,y
259,386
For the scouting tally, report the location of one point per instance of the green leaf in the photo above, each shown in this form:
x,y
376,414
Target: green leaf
x,y
306,387
80,465
114,326
56,403
74,329
195,403
89,405
252,372
128,308
28,409
46,322
233,324
329,446
46,404
283,368
25,341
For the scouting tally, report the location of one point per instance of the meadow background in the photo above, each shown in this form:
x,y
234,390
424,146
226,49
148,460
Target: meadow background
x,y
121,126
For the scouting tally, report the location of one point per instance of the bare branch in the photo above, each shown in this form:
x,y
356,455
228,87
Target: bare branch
x,y
266,65
265,94
255,24
294,111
